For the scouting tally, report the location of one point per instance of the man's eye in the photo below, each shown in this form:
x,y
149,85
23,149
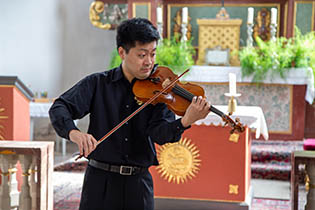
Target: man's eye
x,y
141,56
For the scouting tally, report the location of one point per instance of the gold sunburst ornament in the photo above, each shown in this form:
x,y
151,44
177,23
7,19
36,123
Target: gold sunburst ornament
x,y
178,161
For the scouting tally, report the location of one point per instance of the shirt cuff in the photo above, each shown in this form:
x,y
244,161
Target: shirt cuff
x,y
69,125
179,126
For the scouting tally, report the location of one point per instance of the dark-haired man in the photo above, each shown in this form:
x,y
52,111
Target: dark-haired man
x,y
117,175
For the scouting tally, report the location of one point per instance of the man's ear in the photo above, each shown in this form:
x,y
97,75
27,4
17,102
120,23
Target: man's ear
x,y
121,52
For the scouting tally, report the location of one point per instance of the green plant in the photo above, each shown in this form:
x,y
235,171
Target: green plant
x,y
176,55
276,57
114,59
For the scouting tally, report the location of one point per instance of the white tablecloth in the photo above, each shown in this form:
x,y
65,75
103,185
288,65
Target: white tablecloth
x,y
215,74
252,116
39,109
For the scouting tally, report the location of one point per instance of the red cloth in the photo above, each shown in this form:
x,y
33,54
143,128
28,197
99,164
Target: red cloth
x,y
309,144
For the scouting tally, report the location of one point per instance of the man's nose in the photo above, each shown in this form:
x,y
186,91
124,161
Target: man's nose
x,y
149,60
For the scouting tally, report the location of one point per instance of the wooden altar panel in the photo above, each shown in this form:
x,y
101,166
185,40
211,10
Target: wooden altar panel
x,y
224,172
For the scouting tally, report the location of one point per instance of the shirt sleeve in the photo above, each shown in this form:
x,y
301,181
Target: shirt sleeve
x,y
163,127
71,105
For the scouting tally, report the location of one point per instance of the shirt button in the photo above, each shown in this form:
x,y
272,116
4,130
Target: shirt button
x,y
126,139
127,106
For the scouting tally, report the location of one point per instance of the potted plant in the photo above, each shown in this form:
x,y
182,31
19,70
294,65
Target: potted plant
x,y
278,57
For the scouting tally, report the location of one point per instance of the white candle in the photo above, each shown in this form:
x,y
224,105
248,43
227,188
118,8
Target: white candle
x,y
185,15
232,84
159,15
250,15
274,16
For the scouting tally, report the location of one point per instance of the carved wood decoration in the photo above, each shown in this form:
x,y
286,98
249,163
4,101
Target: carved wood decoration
x,y
107,16
262,25
223,33
178,24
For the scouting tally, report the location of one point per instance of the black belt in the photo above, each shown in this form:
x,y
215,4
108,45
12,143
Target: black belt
x,y
123,170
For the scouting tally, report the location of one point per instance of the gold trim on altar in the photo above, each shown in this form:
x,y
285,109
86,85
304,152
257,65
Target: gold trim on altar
x,y
2,117
178,161
233,189
7,152
234,137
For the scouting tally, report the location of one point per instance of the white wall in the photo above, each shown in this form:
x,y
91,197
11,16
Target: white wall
x,y
86,49
51,44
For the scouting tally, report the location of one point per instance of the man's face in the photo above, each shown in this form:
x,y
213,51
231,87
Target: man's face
x,y
139,61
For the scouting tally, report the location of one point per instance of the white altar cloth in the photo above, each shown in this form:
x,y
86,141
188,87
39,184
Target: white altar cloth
x,y
217,74
39,109
252,116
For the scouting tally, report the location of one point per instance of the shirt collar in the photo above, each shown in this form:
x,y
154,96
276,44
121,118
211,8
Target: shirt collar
x,y
117,74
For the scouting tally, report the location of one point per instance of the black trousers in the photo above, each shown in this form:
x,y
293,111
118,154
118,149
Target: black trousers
x,y
104,190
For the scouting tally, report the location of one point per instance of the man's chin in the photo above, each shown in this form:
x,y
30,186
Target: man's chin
x,y
144,75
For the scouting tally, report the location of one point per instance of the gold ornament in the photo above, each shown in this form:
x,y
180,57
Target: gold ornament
x,y
2,117
96,8
178,161
233,189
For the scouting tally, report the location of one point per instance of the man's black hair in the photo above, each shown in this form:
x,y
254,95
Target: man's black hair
x,y
135,30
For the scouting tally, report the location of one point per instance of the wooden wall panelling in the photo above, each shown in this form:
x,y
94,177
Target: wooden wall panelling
x,y
304,16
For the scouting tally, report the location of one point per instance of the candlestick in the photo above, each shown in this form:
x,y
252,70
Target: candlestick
x,y
249,41
250,15
159,15
274,16
232,94
184,32
273,31
185,15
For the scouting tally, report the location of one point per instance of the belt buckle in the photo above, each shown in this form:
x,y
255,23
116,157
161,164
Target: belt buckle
x,y
125,170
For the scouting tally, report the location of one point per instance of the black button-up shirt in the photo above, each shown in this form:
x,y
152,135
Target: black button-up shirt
x,y
108,98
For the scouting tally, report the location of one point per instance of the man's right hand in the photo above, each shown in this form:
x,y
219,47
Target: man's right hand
x,y
86,142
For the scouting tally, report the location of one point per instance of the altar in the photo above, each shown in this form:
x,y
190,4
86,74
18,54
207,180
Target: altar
x,y
283,101
209,167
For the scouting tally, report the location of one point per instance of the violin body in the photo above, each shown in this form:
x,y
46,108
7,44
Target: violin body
x,y
146,89
177,97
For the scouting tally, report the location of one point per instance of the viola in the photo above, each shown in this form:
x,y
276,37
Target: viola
x,y
178,97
